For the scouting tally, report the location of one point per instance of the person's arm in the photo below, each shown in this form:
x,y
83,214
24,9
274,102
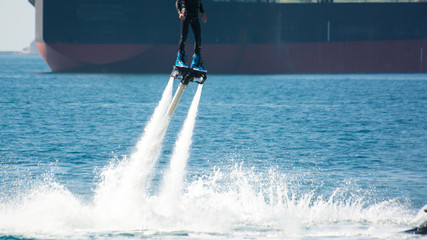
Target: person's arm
x,y
180,7
204,19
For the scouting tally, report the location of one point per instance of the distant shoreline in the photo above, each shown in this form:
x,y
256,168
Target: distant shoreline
x,y
16,53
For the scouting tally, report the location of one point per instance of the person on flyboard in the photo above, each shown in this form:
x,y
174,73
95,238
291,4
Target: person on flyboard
x,y
188,12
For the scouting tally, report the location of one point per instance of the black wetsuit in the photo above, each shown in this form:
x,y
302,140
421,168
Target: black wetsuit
x,y
192,7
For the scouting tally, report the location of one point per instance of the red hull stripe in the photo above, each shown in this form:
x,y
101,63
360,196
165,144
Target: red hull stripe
x,y
402,56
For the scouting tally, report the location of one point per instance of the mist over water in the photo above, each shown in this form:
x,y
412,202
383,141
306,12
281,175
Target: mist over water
x,y
229,203
308,157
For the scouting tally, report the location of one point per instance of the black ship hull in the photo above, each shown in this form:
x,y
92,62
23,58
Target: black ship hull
x,y
142,36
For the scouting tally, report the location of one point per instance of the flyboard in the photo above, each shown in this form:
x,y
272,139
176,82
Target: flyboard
x,y
185,75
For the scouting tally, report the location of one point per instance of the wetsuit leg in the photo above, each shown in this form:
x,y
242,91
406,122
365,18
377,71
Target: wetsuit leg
x,y
197,31
184,33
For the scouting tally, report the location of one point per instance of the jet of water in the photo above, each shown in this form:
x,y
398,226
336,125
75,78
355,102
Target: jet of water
x,y
122,187
173,179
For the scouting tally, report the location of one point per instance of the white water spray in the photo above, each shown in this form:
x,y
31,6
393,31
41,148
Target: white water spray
x,y
122,186
173,179
232,203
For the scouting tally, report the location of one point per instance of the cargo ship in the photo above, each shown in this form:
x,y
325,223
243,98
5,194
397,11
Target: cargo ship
x,y
240,37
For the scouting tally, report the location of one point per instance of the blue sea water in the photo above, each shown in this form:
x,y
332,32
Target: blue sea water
x,y
272,156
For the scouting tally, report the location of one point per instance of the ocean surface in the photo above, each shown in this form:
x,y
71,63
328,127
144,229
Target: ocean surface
x,y
93,156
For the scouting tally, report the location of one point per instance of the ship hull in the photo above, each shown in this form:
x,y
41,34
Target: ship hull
x,y
244,39
336,57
